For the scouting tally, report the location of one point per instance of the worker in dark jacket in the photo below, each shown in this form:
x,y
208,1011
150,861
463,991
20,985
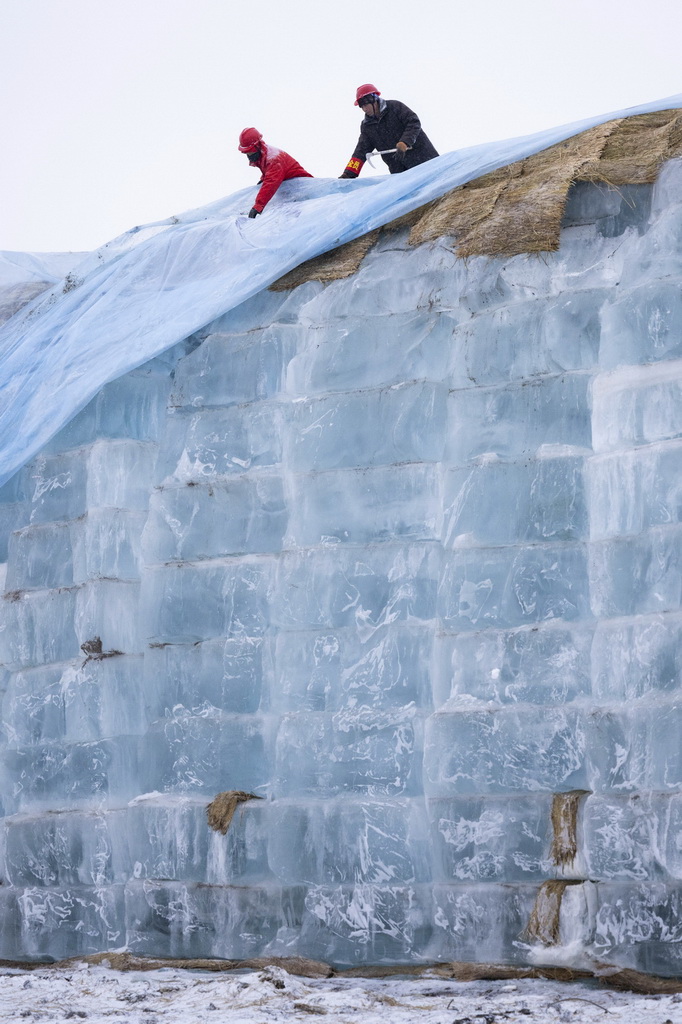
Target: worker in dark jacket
x,y
275,166
388,124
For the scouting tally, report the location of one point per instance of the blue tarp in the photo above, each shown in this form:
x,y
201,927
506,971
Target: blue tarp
x,y
155,285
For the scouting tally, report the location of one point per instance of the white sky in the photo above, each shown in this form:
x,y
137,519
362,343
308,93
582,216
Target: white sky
x,y
120,112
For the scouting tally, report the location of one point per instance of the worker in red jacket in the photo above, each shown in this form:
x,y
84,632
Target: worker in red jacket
x,y
275,166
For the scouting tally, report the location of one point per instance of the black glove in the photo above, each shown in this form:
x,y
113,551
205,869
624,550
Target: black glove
x,y
253,212
347,174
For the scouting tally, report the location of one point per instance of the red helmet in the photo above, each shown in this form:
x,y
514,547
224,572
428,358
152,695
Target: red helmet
x,y
249,140
365,90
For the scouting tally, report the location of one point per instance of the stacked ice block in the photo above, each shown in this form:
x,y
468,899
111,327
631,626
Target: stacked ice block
x,y
400,555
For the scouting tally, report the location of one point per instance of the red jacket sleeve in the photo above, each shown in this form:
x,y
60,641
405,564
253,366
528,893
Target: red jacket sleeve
x,y
273,177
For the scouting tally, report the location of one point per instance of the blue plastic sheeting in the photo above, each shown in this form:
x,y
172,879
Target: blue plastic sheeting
x,y
27,267
155,285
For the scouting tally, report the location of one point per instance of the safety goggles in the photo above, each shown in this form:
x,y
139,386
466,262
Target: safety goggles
x,y
367,101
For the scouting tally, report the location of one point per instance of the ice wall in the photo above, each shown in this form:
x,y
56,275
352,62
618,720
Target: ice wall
x,y
399,554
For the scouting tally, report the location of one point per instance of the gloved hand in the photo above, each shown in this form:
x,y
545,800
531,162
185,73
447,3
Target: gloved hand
x,y
347,174
402,147
253,212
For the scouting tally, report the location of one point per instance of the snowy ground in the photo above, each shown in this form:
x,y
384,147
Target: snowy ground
x,y
98,994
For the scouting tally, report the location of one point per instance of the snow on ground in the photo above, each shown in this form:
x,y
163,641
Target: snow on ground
x,y
98,995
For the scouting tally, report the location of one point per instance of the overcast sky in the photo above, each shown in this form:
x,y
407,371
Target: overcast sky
x,y
120,112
